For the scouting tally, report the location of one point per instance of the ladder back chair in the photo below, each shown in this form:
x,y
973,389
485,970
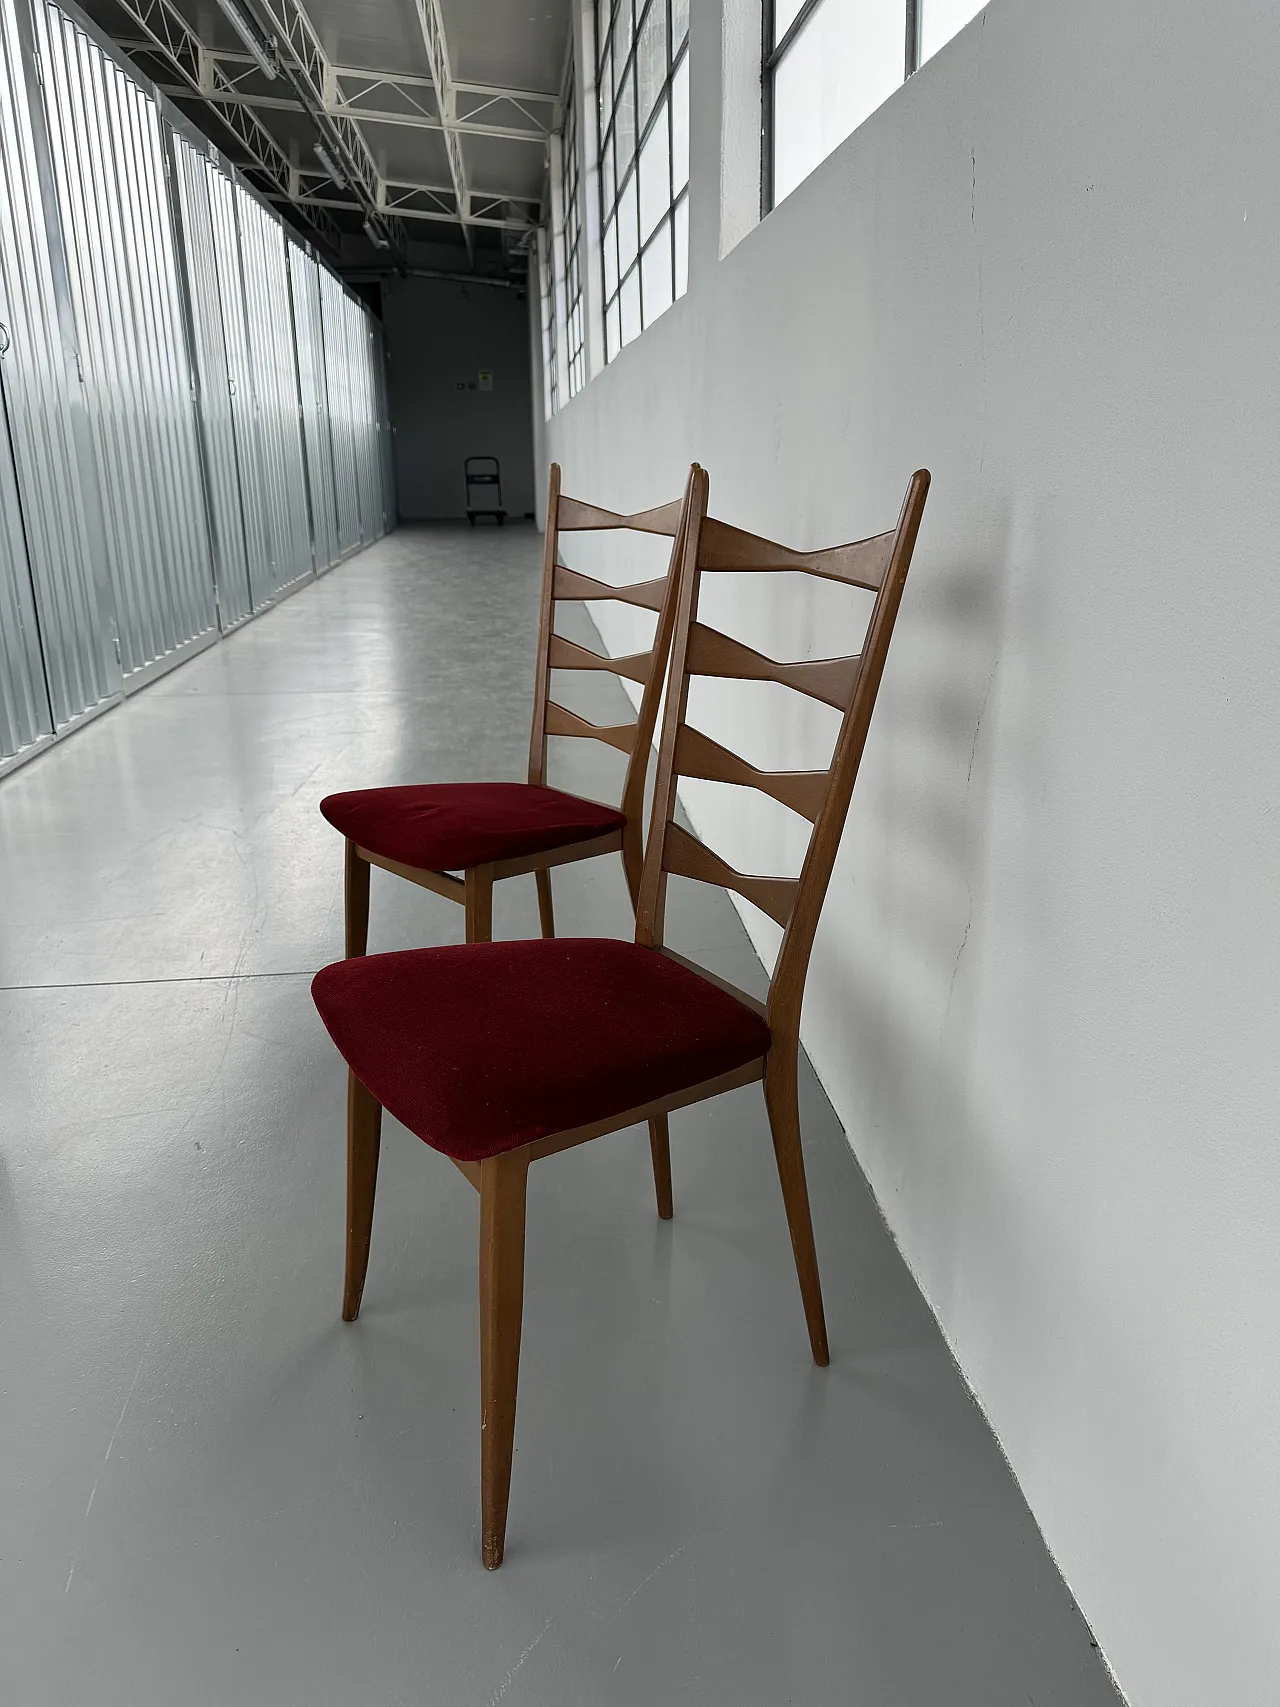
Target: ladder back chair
x,y
490,830
502,1054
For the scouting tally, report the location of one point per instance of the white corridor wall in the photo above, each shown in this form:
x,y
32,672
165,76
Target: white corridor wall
x,y
1046,991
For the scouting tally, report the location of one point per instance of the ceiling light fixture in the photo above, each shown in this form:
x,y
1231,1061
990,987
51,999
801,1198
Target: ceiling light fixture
x,y
258,45
375,236
330,165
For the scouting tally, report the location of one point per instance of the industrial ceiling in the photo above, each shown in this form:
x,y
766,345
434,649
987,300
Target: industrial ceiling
x,y
392,132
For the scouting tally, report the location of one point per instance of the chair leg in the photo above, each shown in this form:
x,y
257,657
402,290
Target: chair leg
x,y
546,912
782,1100
364,1128
660,1149
356,887
478,902
502,1201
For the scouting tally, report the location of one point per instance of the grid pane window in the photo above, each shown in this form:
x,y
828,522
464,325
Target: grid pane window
x,y
643,114
830,63
547,307
569,253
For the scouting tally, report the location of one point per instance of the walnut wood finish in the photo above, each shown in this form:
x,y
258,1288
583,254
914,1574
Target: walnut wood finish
x,y
698,755
561,584
712,653
795,902
474,890
502,1200
364,1129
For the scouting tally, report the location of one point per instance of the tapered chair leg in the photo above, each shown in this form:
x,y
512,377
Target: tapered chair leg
x,y
781,1099
356,893
660,1149
546,912
478,902
502,1201
364,1129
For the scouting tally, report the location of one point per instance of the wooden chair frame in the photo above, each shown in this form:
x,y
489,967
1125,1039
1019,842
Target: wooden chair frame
x,y
560,584
878,564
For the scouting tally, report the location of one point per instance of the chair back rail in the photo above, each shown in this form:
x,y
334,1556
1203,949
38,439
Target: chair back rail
x,y
850,684
556,652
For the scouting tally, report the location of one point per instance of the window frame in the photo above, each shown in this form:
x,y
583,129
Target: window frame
x,y
614,193
547,319
772,55
568,244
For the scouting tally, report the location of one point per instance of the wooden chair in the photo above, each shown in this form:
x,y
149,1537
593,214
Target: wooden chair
x,y
491,830
501,1054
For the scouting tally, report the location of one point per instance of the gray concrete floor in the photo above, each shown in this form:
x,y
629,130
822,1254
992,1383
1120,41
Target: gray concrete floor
x,y
213,1491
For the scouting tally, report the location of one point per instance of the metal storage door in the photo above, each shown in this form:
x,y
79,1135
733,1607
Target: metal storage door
x,y
108,162
384,428
268,314
370,471
244,415
46,424
333,303
304,277
217,427
24,699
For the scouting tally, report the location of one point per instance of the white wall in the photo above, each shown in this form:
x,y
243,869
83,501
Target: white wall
x,y
1045,995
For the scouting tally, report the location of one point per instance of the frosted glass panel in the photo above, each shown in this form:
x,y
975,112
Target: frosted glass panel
x,y
784,12
610,247
940,20
630,298
651,59
627,240
655,175
613,341
655,275
680,127
847,60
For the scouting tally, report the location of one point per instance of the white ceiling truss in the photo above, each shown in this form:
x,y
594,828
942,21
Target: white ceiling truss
x,y
341,100
167,33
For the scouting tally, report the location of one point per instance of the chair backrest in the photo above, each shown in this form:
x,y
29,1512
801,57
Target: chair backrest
x,y
555,652
850,684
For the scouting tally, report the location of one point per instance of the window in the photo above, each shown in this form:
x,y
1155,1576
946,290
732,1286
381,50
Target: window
x,y
642,83
828,64
569,246
547,302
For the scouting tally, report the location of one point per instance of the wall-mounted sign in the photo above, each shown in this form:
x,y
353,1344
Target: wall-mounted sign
x,y
486,380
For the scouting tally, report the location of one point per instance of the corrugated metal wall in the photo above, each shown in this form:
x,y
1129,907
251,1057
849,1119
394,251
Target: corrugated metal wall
x,y
24,699
274,378
190,418
214,384
48,433
304,278
109,167
334,304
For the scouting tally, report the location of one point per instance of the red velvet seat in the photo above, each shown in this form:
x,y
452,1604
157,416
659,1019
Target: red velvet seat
x,y
451,826
481,1048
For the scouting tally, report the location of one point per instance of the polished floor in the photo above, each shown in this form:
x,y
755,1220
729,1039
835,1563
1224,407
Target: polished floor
x,y
214,1492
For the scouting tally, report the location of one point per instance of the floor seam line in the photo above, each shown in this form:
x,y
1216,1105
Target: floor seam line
x,y
131,983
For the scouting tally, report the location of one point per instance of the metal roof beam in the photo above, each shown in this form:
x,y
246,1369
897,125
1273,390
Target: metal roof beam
x,y
168,35
431,24
229,94
307,69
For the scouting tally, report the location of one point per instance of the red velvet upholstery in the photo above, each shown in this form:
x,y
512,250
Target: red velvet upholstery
x,y
482,1048
449,826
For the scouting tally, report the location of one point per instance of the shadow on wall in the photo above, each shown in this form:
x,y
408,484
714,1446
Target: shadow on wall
x,y
901,982
458,385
